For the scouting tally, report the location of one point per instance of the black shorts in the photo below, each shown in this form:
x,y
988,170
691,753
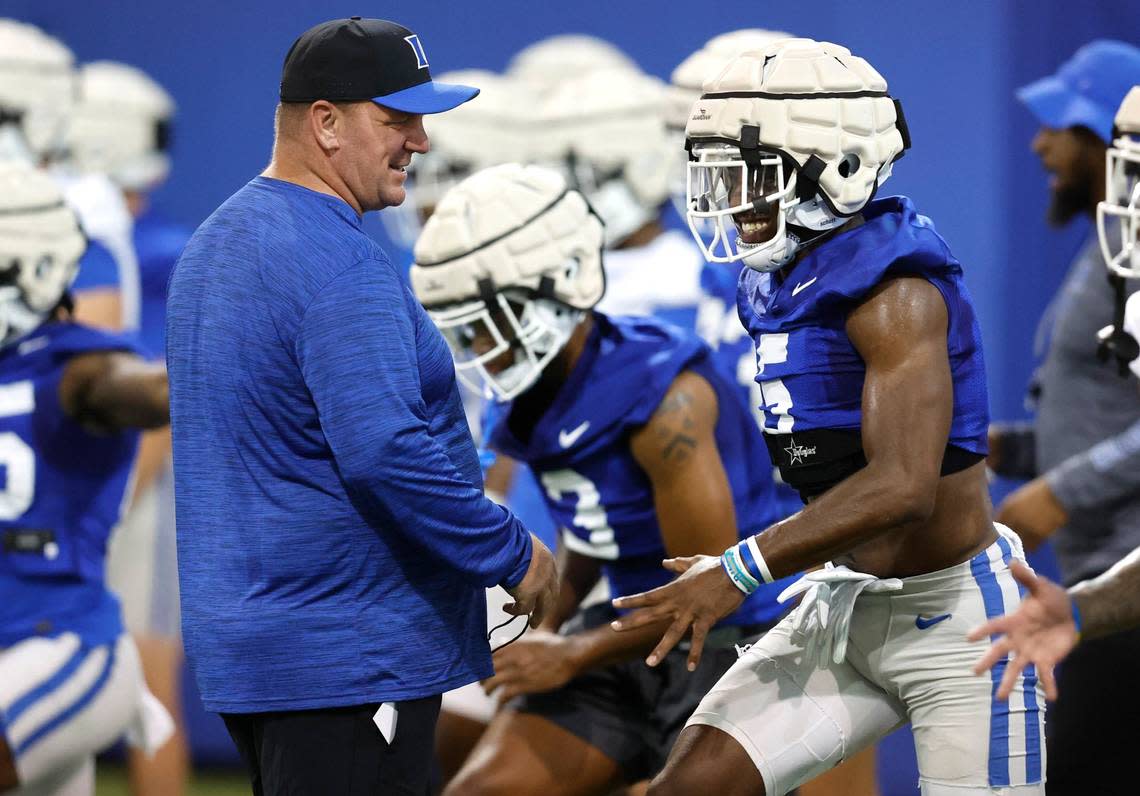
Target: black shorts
x,y
629,711
337,750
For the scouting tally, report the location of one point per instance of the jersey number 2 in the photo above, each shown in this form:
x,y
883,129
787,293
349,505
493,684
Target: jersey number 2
x,y
589,515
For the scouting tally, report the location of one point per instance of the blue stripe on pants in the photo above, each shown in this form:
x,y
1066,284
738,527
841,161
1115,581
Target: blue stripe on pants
x,y
21,705
84,700
1032,709
999,711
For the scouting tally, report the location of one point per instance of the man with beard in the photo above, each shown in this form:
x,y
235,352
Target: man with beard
x,y
1076,489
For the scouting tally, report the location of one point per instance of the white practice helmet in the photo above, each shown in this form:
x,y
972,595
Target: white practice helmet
x,y
37,91
1118,241
549,61
507,266
785,144
686,84
607,128
496,128
121,126
40,247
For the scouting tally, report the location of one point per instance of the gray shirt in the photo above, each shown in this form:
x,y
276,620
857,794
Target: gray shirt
x,y
1088,427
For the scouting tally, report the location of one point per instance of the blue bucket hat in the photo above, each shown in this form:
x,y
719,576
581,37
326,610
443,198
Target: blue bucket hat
x,y
1088,88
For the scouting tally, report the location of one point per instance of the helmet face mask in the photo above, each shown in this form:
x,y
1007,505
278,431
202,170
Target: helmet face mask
x,y
501,349
739,209
1118,216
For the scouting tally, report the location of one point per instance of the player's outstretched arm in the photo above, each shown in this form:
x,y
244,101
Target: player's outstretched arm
x,y
110,391
1043,629
900,331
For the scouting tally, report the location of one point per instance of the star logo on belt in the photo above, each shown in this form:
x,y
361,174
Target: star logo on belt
x,y
797,453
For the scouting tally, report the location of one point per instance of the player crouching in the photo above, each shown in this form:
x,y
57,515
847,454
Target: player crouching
x,y
644,449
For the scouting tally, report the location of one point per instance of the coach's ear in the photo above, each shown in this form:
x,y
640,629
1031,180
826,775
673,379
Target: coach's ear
x,y
323,120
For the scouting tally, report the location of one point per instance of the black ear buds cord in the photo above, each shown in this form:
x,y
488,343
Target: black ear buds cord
x,y
504,624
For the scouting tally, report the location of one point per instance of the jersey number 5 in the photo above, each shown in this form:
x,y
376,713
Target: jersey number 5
x,y
772,349
17,458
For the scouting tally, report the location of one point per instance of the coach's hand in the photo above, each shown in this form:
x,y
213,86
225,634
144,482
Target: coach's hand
x,y
539,661
537,593
700,598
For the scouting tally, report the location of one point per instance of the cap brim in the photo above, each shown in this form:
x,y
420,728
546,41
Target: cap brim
x,y
1056,105
429,97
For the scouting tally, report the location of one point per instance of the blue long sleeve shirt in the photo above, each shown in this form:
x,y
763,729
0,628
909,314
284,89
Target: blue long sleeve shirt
x,y
333,538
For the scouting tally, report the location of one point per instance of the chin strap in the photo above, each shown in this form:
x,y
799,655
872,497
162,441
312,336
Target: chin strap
x,y
1114,341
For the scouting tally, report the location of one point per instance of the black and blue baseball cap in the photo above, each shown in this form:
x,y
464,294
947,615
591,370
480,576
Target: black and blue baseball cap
x,y
352,60
1087,89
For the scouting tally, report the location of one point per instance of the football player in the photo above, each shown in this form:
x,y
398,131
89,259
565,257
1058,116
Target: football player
x,y
644,449
38,89
120,127
71,401
873,385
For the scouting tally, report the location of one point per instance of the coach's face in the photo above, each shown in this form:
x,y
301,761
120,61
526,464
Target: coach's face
x,y
376,145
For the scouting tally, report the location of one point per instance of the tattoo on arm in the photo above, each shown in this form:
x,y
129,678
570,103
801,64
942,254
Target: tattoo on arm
x,y
1110,603
676,431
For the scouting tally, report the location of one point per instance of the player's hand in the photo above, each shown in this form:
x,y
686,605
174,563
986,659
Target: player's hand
x,y
1040,632
700,598
1033,511
537,593
539,661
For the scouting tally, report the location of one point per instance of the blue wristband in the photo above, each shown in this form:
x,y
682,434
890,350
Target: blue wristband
x,y
1076,614
736,571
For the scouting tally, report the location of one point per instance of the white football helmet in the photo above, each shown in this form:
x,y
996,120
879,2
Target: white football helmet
x,y
685,86
507,267
37,91
549,61
1118,216
607,129
40,247
120,126
497,128
786,144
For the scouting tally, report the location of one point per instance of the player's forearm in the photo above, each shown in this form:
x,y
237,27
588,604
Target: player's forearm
x,y
868,504
602,646
1110,603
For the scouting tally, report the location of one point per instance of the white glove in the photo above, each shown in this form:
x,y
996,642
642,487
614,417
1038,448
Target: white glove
x,y
823,618
152,725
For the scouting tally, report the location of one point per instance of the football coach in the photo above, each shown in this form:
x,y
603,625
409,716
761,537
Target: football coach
x,y
334,542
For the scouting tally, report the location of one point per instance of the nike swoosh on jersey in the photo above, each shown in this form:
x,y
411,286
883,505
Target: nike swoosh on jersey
x,y
803,285
568,438
923,624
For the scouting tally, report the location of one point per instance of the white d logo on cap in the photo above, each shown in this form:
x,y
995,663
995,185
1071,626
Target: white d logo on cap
x,y
421,57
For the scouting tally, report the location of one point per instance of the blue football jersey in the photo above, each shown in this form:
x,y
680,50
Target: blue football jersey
x,y
809,373
63,490
718,324
595,489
